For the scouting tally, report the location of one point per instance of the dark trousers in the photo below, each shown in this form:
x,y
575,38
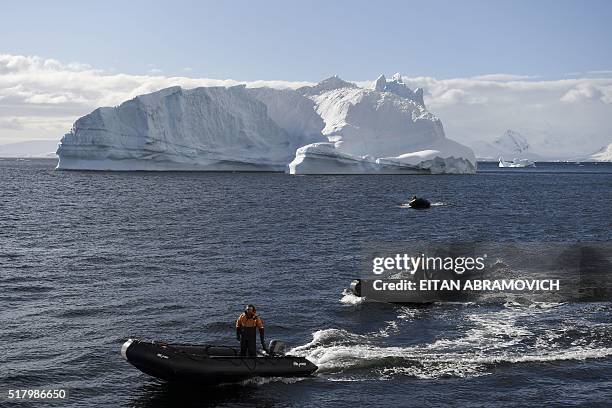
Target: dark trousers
x,y
248,345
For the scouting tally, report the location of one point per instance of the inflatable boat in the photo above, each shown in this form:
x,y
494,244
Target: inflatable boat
x,y
419,203
204,364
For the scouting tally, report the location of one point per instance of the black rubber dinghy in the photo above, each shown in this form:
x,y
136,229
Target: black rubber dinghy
x,y
182,363
419,203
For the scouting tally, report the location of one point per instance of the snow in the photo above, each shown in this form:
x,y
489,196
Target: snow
x,y
515,163
604,154
396,86
510,144
293,112
381,130
334,127
512,141
324,158
213,128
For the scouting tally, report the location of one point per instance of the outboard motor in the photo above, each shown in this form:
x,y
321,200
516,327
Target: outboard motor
x,y
276,348
355,287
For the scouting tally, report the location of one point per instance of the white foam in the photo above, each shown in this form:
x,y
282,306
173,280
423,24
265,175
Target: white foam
x,y
390,328
407,313
347,379
492,338
436,204
259,381
349,298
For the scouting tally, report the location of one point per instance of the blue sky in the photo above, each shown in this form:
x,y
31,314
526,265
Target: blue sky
x,y
59,60
310,40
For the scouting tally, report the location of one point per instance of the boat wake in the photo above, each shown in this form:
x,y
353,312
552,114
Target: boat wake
x,y
259,381
349,298
436,204
513,334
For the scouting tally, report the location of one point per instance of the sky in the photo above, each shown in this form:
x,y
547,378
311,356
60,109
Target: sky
x,y
540,67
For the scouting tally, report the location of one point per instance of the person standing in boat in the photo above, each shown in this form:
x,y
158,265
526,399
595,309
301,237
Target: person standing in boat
x,y
246,332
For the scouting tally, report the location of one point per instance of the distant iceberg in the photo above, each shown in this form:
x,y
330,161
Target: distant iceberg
x,y
334,127
515,163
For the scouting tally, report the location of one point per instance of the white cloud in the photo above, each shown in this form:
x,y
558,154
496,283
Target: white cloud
x,y
34,80
40,98
600,72
502,77
35,91
453,96
11,123
586,92
564,117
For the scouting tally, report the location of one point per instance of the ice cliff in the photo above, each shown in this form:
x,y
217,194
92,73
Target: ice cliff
x,y
213,128
334,127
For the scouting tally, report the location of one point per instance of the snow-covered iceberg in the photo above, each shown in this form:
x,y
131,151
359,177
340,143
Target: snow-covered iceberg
x,y
384,130
334,127
213,128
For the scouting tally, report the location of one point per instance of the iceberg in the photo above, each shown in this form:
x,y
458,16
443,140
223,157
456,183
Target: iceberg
x,y
383,130
515,163
212,128
333,127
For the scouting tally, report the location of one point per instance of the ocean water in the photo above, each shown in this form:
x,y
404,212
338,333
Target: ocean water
x,y
88,259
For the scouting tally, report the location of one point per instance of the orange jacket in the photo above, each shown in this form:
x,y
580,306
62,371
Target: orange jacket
x,y
244,321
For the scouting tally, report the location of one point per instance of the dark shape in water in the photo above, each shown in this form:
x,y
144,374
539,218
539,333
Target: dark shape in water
x,y
419,203
205,364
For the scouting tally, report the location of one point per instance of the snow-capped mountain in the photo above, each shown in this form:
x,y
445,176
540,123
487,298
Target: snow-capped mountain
x,y
510,144
332,127
604,154
512,141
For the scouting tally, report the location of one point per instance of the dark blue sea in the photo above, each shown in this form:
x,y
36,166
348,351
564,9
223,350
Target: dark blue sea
x,y
88,259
